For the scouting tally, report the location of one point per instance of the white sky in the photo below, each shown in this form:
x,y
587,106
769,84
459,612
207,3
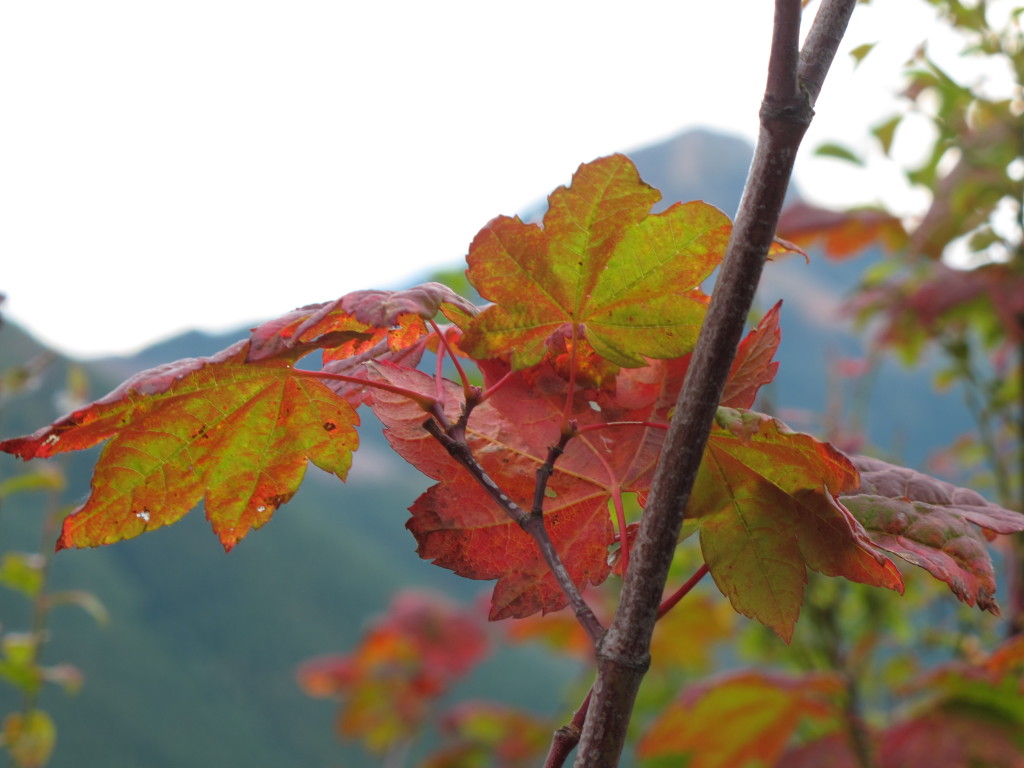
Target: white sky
x,y
207,163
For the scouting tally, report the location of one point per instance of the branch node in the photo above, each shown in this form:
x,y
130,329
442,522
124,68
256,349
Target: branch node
x,y
635,663
786,110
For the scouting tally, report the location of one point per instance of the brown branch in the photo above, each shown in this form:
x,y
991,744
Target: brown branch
x,y
623,655
568,736
533,524
546,469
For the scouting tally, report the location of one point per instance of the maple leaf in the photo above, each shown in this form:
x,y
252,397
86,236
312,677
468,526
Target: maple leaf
x,y
459,527
841,234
237,433
743,718
932,524
952,739
407,659
484,733
927,304
763,501
831,751
357,323
753,366
623,280
384,308
302,330
28,737
760,502
782,476
972,714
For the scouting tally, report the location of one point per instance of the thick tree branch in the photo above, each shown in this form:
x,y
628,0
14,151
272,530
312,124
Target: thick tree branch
x,y
793,84
568,736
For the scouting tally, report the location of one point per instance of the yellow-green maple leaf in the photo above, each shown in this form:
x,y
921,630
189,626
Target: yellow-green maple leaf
x,y
602,270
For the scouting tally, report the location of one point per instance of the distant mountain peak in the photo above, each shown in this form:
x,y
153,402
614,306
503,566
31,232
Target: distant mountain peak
x,y
697,164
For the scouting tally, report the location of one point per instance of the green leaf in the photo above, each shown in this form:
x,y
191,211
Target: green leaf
x,y
23,572
859,53
602,273
886,132
29,738
764,502
839,152
18,664
237,433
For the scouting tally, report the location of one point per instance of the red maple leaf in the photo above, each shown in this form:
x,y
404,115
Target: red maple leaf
x,y
763,500
932,524
461,528
403,664
840,234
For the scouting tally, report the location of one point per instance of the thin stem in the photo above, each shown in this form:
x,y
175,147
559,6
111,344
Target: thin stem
x,y
571,388
497,385
426,403
620,519
982,414
40,603
616,493
1015,625
607,424
672,600
439,376
451,353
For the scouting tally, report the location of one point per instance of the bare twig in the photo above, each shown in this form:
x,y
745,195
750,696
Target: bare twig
x,y
568,736
546,469
533,524
793,84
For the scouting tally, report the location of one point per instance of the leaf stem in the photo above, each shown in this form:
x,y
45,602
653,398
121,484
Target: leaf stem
x,y
620,519
426,403
443,340
497,385
570,390
672,600
620,513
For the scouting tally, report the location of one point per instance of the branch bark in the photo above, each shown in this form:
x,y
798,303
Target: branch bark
x,y
794,81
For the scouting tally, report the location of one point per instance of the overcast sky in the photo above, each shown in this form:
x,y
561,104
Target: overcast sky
x,y
207,163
